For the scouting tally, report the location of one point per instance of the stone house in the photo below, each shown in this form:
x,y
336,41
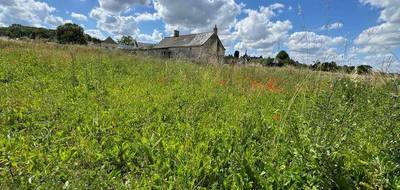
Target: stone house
x,y
203,47
109,43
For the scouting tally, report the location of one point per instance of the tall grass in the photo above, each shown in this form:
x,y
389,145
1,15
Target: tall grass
x,y
79,118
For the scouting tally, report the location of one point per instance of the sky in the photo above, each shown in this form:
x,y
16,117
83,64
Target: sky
x,y
350,32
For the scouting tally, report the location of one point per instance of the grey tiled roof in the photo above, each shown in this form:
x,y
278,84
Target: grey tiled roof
x,y
109,40
185,40
144,45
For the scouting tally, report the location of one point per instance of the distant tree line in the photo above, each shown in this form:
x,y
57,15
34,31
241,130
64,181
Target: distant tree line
x,y
283,59
66,34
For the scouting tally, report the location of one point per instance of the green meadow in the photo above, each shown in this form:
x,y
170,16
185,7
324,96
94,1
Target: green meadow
x,y
75,117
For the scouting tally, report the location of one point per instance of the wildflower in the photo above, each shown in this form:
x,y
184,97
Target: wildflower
x,y
222,82
256,85
272,86
276,117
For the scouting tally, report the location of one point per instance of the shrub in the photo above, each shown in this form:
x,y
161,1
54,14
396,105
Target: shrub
x,y
70,34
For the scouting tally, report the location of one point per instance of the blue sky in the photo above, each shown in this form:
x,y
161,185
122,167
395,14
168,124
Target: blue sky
x,y
350,32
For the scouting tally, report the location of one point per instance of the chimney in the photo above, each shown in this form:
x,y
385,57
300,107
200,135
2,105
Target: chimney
x,y
176,33
216,30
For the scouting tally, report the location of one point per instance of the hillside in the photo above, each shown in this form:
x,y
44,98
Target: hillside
x,y
16,31
83,118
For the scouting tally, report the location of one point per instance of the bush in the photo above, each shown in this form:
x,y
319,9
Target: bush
x,y
70,34
364,69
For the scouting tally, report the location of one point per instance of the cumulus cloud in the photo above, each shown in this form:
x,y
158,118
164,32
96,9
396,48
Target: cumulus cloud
x,y
333,26
383,39
390,9
78,16
257,32
309,46
117,6
95,33
27,12
111,16
155,37
55,20
146,17
197,15
115,24
385,36
379,39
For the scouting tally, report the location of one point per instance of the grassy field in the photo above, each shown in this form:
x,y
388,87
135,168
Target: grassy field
x,y
80,118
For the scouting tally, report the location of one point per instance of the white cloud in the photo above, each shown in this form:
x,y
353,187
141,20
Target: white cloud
x,y
112,16
115,24
78,16
197,15
117,6
257,32
390,9
333,26
55,20
155,37
27,12
384,37
381,40
309,46
95,33
146,17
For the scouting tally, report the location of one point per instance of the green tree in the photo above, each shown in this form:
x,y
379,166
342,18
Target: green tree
x,y
237,54
364,69
70,34
92,39
282,56
282,59
127,40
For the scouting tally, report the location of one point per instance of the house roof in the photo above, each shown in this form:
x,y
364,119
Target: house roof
x,y
109,40
185,40
144,45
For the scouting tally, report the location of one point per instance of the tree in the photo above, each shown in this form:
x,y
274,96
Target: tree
x,y
127,40
70,34
92,39
364,69
282,56
348,69
282,59
325,66
236,55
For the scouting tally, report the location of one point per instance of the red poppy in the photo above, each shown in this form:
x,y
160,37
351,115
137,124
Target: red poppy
x,y
272,86
256,85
